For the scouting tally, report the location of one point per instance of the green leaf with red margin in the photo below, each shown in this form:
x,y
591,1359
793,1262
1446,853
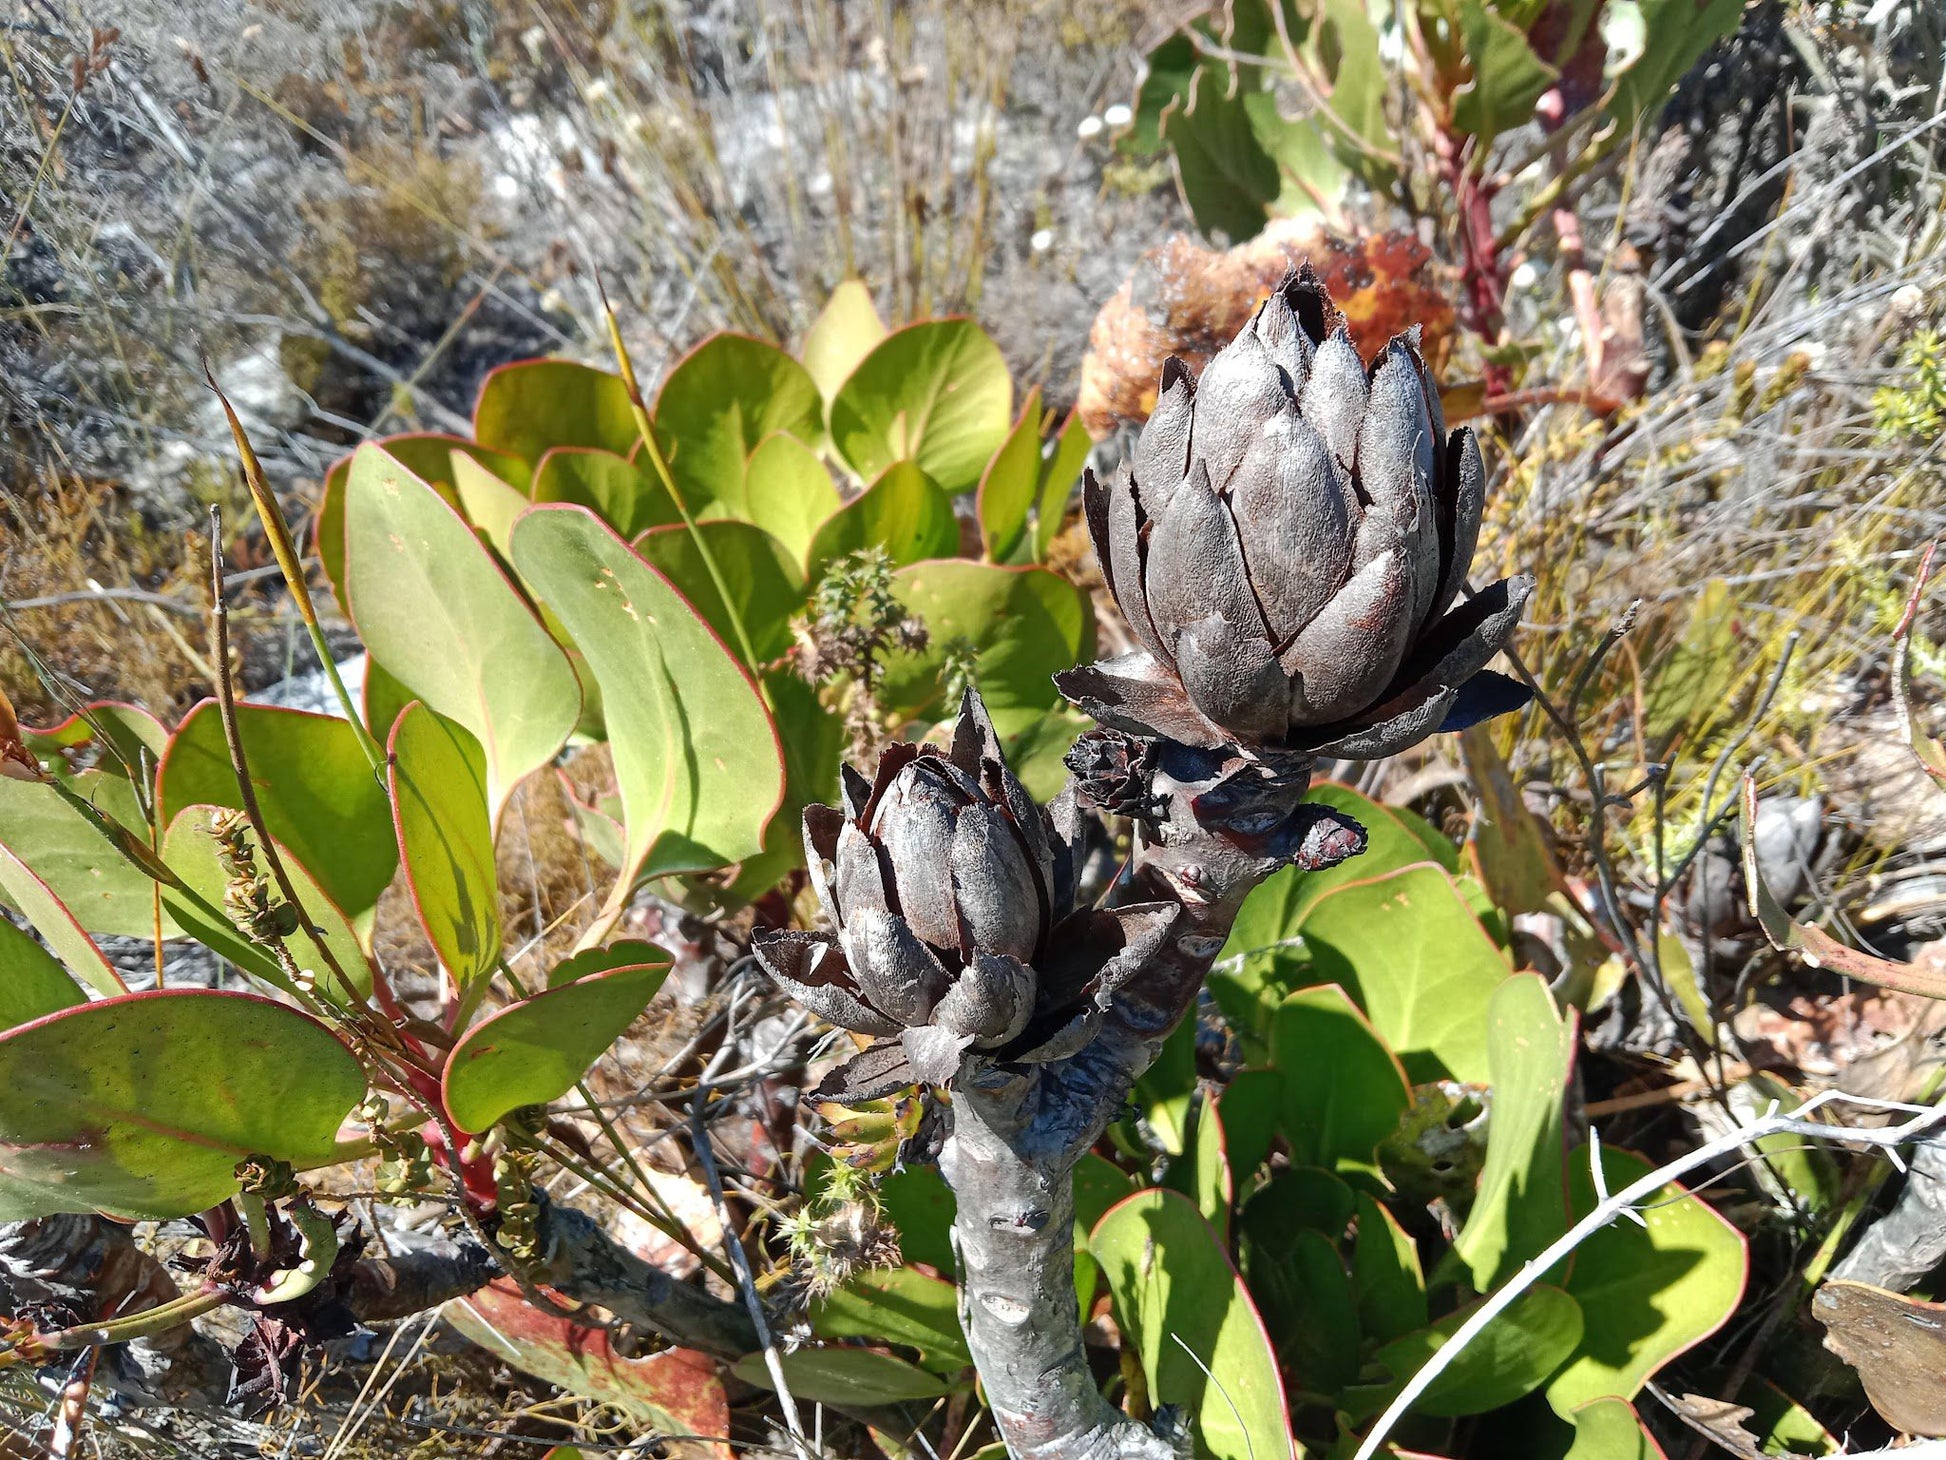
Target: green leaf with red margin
x,y
1343,1090
696,756
791,492
1060,471
531,406
1009,486
849,1379
623,493
533,1051
32,981
1511,1357
676,1392
1214,1188
313,784
718,404
1301,1286
435,609
428,456
50,917
76,864
118,735
762,576
1386,1278
1182,1306
1252,1106
141,1106
1610,1429
1522,1201
844,333
897,1305
190,852
1649,1293
1023,624
439,806
1408,947
903,513
1263,960
936,393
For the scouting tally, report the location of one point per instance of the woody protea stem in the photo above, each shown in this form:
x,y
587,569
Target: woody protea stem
x,y
1217,824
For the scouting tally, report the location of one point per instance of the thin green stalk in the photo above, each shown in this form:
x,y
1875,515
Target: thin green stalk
x,y
271,514
609,1130
146,1324
654,451
246,788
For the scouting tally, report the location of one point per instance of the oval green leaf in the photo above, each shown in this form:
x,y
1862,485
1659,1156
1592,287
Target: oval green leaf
x,y
313,783
531,406
1010,484
722,399
903,513
141,1106
437,612
844,333
845,1378
1522,1201
534,1051
791,492
1509,1359
621,493
1024,624
189,851
427,455
1182,1305
73,863
1410,950
439,804
1343,1091
32,981
1263,960
1610,1429
1060,471
936,393
1649,1293
762,574
897,1305
696,756
50,917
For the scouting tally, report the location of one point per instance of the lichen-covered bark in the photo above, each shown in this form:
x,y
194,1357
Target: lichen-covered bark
x,y
1218,824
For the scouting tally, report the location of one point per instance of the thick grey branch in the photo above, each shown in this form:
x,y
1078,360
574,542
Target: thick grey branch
x,y
72,1269
585,1263
1226,822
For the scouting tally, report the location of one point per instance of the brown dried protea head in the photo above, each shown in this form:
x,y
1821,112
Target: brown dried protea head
x,y
951,899
1287,545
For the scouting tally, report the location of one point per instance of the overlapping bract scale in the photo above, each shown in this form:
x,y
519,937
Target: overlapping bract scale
x,y
1287,544
949,895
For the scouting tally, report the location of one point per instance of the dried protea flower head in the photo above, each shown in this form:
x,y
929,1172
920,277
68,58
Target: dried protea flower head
x,y
950,896
1287,545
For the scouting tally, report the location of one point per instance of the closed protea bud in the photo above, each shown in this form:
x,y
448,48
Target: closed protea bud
x,y
1287,545
950,896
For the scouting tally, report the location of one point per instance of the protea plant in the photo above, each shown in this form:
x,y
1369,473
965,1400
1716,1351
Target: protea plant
x,y
950,896
1288,544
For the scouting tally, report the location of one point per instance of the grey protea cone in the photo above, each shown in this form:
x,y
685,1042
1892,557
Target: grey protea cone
x,y
950,895
1287,545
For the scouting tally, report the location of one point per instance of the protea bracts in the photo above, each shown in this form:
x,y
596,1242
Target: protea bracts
x,y
1287,545
950,896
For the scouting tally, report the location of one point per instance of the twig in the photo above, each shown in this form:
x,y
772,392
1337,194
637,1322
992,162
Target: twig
x,y
246,788
746,1279
1923,1120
